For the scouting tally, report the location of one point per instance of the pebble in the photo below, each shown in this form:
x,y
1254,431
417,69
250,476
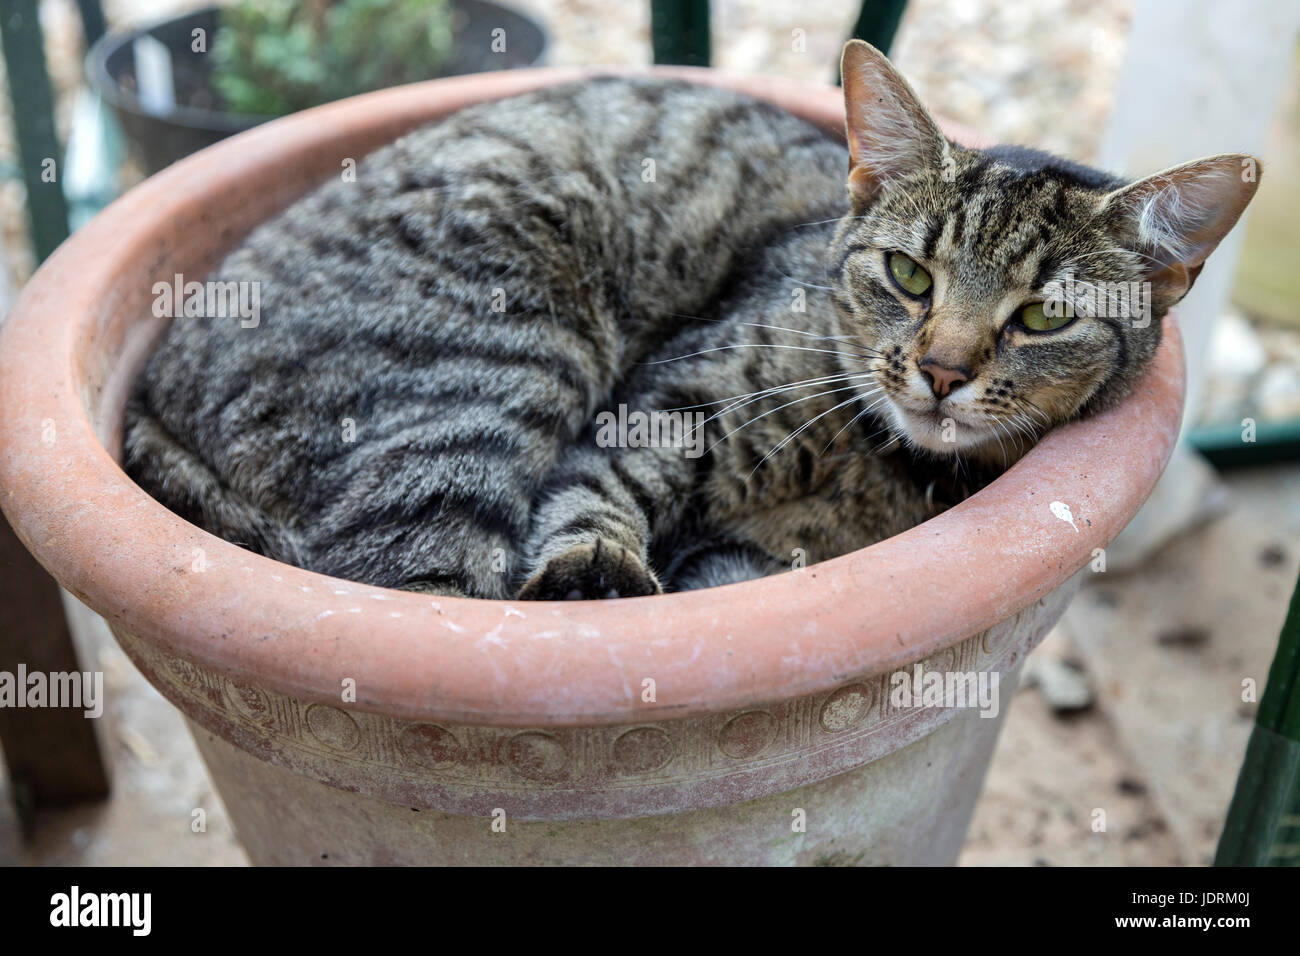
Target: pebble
x,y
1065,688
1253,371
1278,393
1235,349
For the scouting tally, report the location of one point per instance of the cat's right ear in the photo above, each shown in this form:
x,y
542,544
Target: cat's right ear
x,y
1177,217
890,133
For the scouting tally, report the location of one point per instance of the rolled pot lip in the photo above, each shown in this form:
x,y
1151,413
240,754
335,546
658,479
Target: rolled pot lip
x,y
511,663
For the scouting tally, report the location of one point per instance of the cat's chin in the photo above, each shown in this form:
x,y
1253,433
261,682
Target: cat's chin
x,y
937,432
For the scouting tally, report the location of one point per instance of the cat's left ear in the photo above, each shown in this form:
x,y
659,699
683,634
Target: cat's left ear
x,y
890,133
1178,217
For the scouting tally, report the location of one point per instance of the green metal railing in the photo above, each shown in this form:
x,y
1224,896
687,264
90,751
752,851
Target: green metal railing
x,y
1225,445
679,32
1263,825
39,155
877,23
679,29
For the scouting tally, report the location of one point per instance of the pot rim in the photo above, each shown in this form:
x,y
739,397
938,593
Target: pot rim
x,y
500,662
107,86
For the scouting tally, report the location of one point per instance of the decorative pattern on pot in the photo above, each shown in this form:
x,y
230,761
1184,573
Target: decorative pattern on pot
x,y
648,767
847,707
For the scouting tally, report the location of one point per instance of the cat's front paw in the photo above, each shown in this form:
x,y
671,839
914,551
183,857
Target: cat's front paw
x,y
595,570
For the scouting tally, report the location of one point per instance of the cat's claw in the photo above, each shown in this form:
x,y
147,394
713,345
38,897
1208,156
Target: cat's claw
x,y
594,571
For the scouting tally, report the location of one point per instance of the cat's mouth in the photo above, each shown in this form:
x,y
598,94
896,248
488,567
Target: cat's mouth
x,y
938,428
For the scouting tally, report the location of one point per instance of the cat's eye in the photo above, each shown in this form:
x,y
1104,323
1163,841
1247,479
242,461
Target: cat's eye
x,y
911,278
1035,319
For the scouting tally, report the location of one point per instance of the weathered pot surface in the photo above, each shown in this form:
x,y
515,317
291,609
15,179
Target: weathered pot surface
x,y
542,710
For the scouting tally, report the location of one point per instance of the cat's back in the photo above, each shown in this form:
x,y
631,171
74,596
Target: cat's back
x,y
466,298
612,191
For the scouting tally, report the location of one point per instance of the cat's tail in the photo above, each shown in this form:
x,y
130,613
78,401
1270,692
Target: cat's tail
x,y
174,475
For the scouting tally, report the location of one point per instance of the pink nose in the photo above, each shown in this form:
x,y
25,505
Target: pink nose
x,y
942,379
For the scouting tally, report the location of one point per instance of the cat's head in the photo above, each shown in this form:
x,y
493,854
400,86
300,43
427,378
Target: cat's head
x,y
1004,291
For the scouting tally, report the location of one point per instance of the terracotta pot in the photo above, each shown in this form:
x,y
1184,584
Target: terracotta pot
x,y
770,698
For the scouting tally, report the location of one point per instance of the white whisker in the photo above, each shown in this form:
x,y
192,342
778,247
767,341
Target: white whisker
x,y
798,431
772,411
758,393
865,411
745,345
749,401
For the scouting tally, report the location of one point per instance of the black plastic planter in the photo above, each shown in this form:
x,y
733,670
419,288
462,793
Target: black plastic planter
x,y
198,119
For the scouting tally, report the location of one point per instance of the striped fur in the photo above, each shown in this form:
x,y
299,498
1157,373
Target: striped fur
x,y
490,283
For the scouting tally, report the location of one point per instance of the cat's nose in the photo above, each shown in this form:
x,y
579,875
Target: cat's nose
x,y
942,379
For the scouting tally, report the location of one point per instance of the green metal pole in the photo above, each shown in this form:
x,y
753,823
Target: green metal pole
x,y
92,20
1235,445
33,111
1263,824
679,30
877,23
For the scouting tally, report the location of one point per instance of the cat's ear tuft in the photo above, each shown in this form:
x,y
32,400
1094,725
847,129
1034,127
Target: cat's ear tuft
x,y
1178,216
890,133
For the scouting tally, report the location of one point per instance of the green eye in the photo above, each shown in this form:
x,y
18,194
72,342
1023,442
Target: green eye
x,y
910,277
1035,319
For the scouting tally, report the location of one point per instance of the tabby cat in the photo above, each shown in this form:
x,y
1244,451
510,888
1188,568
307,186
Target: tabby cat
x,y
853,361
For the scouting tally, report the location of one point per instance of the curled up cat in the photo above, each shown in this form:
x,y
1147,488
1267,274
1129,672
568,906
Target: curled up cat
x,y
844,357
